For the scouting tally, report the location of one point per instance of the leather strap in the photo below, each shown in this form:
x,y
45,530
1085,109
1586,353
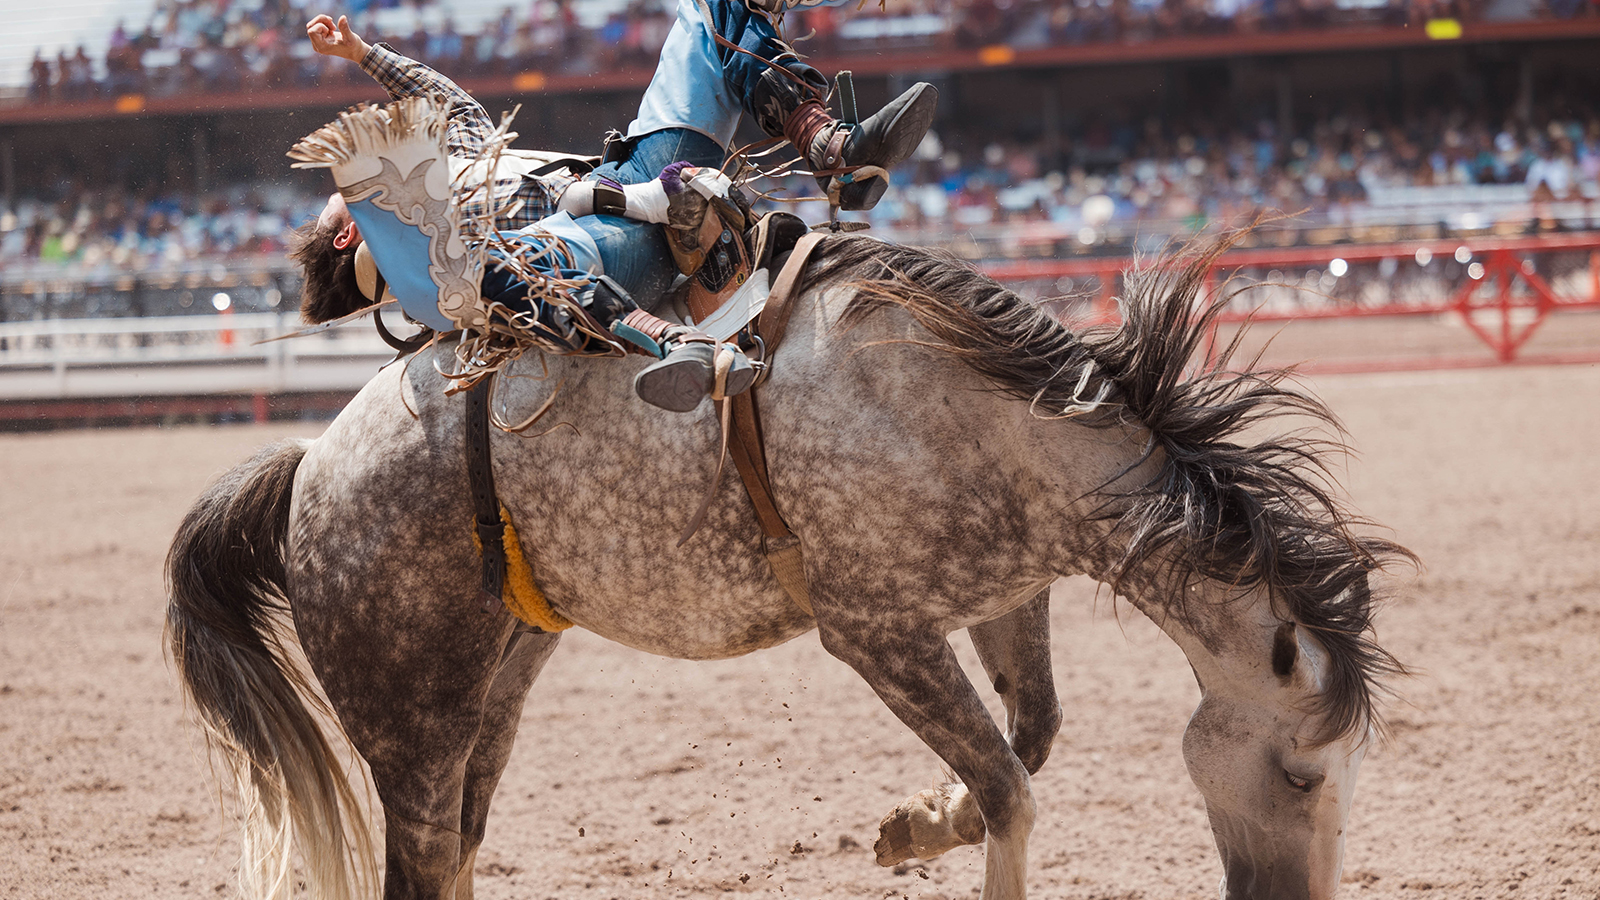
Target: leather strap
x,y
748,449
402,346
750,458
485,505
778,543
609,199
773,322
574,164
833,154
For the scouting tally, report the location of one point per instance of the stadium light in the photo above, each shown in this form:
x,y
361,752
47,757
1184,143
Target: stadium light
x,y
1463,255
1424,256
1098,210
221,301
1338,268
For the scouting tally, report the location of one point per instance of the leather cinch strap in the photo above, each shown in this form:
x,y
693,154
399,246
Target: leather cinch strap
x,y
774,319
485,505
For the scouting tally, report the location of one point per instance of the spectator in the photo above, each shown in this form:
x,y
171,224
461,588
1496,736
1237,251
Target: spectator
x,y
39,73
225,45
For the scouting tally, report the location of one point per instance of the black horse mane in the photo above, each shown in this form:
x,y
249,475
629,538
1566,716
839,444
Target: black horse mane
x,y
1244,511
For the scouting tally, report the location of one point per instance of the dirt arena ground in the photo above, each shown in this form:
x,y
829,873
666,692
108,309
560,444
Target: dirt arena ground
x,y
637,777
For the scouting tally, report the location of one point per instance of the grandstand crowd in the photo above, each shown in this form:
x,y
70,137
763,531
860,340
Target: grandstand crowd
x,y
1112,182
1102,183
192,46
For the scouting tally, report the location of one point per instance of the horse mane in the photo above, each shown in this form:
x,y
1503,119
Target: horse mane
x,y
1224,504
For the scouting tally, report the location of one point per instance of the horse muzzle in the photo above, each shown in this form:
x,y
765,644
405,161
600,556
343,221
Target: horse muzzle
x,y
1247,878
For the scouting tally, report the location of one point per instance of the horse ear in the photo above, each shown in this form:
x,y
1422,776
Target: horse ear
x,y
1285,647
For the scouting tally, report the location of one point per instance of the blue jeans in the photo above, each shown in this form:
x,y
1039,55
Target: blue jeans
x,y
634,253
688,113
702,85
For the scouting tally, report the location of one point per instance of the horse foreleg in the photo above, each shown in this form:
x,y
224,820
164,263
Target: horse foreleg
x,y
1015,651
917,676
521,663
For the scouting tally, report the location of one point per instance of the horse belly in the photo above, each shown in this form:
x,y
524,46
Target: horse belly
x,y
689,624
711,599
601,508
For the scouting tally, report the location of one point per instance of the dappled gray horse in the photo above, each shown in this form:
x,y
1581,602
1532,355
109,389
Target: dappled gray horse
x,y
944,450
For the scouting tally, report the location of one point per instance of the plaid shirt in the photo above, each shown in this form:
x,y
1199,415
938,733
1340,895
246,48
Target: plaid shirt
x,y
469,127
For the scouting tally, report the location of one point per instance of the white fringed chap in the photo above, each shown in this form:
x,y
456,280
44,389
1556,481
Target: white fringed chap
x,y
394,156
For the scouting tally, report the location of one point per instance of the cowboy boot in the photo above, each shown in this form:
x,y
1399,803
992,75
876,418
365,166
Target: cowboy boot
x,y
788,103
687,370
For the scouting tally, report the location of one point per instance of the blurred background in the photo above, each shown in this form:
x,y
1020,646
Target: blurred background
x,y
1430,169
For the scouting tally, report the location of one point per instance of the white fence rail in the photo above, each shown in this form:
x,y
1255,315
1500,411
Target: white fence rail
x,y
182,355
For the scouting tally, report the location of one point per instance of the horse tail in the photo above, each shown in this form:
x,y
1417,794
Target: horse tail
x,y
226,580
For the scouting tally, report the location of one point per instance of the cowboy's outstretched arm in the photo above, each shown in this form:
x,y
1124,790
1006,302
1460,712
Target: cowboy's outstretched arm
x,y
404,77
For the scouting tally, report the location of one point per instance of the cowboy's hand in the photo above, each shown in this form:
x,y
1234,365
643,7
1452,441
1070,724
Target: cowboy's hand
x,y
332,38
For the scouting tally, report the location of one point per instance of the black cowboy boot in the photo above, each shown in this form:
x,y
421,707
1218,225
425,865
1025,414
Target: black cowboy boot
x,y
687,370
791,107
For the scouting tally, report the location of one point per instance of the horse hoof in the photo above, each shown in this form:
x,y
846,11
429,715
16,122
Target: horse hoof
x,y
928,825
893,845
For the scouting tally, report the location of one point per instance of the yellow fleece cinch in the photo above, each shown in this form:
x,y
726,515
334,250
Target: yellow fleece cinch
x,y
521,593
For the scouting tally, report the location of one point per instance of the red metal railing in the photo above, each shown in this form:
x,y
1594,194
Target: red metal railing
x,y
1500,294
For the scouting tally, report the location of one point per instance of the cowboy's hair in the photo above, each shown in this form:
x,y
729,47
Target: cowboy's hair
x,y
328,286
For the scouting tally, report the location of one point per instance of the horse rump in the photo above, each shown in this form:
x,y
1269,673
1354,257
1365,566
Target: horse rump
x,y
226,584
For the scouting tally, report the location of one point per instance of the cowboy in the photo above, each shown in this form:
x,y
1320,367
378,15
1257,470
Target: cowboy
x,y
609,222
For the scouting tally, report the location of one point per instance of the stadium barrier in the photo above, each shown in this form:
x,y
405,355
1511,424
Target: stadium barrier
x,y
209,366
1500,290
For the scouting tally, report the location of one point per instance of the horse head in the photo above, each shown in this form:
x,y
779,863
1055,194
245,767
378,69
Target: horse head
x,y
1277,779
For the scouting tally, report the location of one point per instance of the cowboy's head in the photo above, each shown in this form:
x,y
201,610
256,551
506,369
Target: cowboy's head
x,y
325,250
336,215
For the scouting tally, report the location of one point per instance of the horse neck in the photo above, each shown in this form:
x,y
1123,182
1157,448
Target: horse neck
x,y
1220,629
1215,625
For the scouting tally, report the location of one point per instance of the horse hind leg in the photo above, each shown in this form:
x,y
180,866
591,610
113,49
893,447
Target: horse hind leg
x,y
411,702
917,676
523,659
1015,651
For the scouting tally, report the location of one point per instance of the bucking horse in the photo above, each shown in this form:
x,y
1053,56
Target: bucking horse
x,y
943,449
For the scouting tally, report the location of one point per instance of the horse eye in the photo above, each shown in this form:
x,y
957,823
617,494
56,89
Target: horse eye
x,y
1295,781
